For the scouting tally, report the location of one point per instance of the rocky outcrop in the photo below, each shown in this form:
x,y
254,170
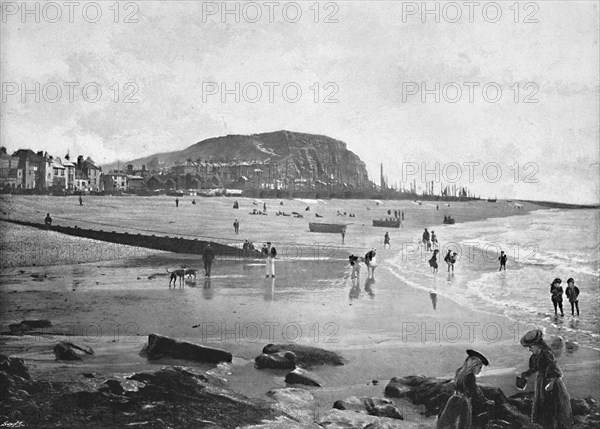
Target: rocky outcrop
x,y
301,376
287,152
339,419
378,407
170,397
160,346
28,326
280,360
306,356
69,351
506,412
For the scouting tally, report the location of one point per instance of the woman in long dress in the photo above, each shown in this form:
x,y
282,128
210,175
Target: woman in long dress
x,y
468,399
551,401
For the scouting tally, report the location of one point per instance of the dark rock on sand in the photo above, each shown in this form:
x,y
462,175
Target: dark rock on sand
x,y
280,360
301,376
378,407
67,351
170,397
307,356
160,346
28,326
14,366
341,419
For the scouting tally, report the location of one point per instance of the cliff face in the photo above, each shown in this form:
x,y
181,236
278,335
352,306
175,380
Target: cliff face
x,y
292,155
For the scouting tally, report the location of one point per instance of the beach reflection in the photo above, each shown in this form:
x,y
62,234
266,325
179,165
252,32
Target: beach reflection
x,y
269,294
368,287
207,290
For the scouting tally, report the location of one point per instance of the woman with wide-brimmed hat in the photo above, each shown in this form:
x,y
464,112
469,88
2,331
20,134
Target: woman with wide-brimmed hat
x,y
551,402
468,399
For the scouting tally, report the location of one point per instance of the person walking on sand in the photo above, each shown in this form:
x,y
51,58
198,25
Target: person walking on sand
x,y
270,266
48,220
468,402
355,264
426,242
176,202
370,262
208,256
386,240
557,291
551,406
236,226
80,200
343,235
502,258
433,261
434,241
572,293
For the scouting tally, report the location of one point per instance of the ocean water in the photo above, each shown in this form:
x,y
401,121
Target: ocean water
x,y
541,246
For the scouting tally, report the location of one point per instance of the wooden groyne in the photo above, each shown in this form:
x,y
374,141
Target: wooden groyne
x,y
157,242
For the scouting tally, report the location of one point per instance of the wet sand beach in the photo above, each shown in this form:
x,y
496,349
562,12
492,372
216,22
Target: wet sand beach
x,y
384,327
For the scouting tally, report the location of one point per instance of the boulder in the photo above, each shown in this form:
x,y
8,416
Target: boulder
x,y
14,366
344,419
396,388
298,404
67,351
379,407
307,356
301,376
160,346
280,360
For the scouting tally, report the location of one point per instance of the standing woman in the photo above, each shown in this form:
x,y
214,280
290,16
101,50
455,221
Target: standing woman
x,y
433,261
551,401
468,399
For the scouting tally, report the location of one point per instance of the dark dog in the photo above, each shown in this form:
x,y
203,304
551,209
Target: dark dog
x,y
181,274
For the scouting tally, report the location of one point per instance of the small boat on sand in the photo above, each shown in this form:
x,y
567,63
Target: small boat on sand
x,y
449,220
387,223
327,227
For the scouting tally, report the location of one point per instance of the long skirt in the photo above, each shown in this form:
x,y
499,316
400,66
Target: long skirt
x,y
551,409
456,414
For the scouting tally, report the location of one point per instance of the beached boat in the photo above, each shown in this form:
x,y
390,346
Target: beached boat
x,y
327,227
449,220
492,200
387,223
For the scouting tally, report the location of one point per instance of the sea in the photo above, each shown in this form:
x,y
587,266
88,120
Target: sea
x,y
541,246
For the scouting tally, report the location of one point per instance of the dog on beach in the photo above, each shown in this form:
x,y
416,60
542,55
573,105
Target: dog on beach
x,y
181,274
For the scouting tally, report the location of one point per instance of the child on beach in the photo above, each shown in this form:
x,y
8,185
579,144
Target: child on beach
x,y
551,406
370,262
468,400
557,291
386,240
502,260
355,264
433,262
447,259
434,241
572,293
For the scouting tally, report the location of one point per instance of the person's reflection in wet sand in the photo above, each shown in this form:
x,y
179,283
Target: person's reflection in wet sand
x,y
207,291
433,297
368,283
354,290
269,294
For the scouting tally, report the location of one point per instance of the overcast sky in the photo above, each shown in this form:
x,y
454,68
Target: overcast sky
x,y
360,80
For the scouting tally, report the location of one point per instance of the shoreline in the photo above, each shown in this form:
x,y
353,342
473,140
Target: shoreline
x,y
374,323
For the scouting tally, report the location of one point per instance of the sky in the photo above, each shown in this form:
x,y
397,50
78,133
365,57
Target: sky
x,y
502,97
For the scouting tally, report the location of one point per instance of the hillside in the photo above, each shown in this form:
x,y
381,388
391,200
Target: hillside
x,y
292,154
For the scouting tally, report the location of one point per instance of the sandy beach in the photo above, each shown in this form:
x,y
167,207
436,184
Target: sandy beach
x,y
384,327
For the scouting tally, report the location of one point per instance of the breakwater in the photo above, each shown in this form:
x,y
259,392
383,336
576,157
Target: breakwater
x,y
157,242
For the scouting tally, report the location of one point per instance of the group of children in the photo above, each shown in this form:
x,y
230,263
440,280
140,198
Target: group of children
x,y
369,260
572,293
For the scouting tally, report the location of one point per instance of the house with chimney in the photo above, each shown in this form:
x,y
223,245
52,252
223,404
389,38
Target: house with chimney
x,y
11,176
92,171
31,165
114,181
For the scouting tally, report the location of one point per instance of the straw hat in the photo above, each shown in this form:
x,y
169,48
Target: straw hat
x,y
532,337
482,358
